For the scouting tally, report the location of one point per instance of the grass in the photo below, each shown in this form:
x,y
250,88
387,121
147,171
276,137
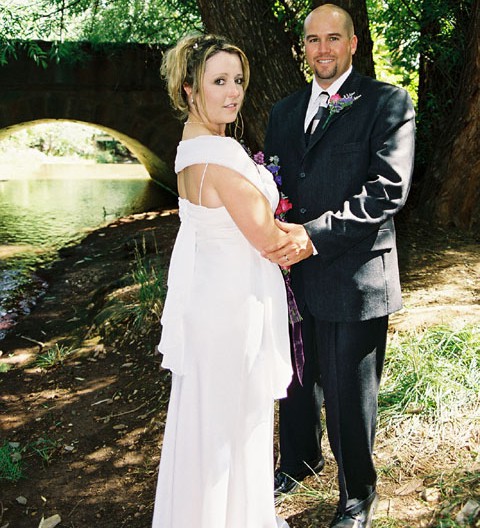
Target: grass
x,y
4,367
456,490
151,293
11,467
12,456
435,374
53,356
138,305
428,424
429,415
44,448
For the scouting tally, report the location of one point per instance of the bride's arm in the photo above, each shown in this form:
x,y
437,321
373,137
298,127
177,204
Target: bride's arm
x,y
247,206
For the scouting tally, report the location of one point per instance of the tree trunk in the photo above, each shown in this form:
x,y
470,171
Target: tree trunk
x,y
451,188
438,76
251,25
363,58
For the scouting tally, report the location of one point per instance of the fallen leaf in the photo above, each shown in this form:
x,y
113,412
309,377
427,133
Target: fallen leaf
x,y
409,488
51,522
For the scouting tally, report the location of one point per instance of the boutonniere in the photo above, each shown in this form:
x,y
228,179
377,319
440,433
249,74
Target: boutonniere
x,y
337,103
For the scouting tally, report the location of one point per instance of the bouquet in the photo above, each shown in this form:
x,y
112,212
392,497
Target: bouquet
x,y
284,205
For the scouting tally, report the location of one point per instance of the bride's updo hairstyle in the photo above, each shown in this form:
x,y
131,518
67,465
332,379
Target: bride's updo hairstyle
x,y
185,65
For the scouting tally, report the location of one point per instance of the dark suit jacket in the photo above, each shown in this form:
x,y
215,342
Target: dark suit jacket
x,y
346,186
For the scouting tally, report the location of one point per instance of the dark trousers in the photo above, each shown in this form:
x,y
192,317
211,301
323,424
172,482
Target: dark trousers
x,y
343,365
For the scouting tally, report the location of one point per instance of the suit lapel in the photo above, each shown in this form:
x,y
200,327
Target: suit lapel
x,y
351,85
295,121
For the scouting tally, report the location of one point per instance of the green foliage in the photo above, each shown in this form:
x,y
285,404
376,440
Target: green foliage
x,y
54,139
53,356
12,456
10,462
44,448
426,41
435,374
150,281
291,16
63,139
4,367
151,21
137,303
426,28
388,70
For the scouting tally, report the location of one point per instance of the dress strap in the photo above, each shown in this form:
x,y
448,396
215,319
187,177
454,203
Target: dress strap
x,y
201,185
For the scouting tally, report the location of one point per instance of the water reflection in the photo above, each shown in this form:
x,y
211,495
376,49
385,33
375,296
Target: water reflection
x,y
38,216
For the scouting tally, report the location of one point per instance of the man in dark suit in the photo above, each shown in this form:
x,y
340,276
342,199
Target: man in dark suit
x,y
347,170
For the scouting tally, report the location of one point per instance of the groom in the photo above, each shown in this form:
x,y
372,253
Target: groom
x,y
346,147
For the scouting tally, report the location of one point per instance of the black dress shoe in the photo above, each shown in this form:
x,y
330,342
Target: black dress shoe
x,y
357,517
287,483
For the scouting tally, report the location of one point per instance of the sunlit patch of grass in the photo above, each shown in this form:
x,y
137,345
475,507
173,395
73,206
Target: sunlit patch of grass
x,y
429,415
53,356
11,467
435,374
4,367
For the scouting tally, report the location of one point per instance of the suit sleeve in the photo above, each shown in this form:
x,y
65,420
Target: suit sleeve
x,y
386,186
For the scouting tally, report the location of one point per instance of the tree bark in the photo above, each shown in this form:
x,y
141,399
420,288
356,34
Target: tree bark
x,y
363,58
251,25
438,76
451,187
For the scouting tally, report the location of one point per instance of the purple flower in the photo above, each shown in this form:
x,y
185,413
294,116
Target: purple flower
x,y
274,169
337,103
259,158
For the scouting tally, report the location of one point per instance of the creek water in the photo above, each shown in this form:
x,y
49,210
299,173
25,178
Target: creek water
x,y
42,213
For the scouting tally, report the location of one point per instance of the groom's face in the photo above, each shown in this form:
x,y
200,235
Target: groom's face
x,y
329,45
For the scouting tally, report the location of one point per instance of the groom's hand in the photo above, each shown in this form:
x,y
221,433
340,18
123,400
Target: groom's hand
x,y
293,248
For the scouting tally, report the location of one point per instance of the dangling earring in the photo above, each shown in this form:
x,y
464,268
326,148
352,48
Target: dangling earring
x,y
238,127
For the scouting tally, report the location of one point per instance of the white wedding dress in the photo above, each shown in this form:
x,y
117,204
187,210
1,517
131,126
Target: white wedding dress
x,y
225,339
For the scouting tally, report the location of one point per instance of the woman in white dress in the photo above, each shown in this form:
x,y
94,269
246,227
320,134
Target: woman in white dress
x,y
225,323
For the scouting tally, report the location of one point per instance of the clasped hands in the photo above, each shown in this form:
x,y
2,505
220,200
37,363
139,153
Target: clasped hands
x,y
292,248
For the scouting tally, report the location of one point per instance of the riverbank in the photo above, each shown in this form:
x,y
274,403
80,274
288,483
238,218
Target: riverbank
x,y
89,428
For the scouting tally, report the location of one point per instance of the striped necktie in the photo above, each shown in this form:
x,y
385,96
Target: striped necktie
x,y
321,113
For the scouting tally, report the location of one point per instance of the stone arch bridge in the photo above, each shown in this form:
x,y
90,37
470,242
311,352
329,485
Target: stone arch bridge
x,y
116,88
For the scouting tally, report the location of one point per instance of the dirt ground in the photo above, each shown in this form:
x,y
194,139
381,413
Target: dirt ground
x,y
90,428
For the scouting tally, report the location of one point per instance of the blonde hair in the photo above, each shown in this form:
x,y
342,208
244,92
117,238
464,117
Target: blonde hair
x,y
184,64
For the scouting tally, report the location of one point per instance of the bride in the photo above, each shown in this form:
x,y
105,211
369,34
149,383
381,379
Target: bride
x,y
225,323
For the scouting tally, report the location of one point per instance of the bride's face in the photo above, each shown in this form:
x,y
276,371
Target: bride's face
x,y
222,88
